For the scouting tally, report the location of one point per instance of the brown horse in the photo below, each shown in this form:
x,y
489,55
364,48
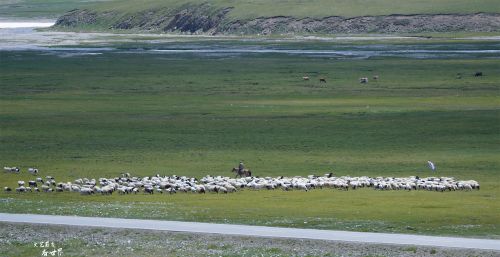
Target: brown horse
x,y
242,173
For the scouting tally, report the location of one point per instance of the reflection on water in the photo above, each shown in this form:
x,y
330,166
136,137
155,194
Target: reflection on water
x,y
68,44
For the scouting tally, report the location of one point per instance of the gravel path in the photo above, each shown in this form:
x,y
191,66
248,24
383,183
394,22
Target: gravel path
x,y
258,231
18,239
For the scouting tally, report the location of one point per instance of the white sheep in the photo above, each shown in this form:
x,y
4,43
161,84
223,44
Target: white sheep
x,y
33,171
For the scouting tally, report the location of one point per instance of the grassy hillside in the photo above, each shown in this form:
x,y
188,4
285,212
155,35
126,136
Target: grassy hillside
x,y
314,8
254,8
40,8
97,116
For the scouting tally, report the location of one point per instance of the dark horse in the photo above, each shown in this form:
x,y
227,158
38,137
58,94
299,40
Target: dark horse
x,y
242,173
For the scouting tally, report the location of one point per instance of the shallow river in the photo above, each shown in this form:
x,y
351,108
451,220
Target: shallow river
x,y
24,36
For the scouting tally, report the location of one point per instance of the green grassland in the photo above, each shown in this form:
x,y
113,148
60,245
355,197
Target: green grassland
x,y
40,8
257,8
316,8
97,116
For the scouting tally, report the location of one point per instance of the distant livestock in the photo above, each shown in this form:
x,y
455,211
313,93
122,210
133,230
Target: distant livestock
x,y
375,77
363,80
33,171
11,169
305,78
478,74
322,80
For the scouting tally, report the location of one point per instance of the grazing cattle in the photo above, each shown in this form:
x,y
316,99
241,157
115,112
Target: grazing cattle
x,y
363,80
305,78
478,74
322,80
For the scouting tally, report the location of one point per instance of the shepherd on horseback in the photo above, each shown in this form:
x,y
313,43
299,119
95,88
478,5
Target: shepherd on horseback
x,y
241,167
241,171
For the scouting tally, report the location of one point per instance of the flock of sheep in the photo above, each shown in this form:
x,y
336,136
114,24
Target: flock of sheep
x,y
32,171
126,184
363,80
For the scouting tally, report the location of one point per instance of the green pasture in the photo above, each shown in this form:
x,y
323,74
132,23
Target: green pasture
x,y
311,8
41,8
97,116
254,8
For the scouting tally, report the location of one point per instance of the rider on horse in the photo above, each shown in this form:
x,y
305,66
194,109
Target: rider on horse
x,y
241,167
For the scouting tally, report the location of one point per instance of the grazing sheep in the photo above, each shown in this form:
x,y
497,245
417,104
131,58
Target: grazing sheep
x,y
375,77
33,171
305,78
11,169
7,189
86,191
363,80
322,80
478,74
148,190
230,188
221,184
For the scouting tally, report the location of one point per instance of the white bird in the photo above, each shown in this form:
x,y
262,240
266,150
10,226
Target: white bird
x,y
431,165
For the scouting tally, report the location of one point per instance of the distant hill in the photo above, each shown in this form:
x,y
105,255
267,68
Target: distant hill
x,y
36,9
287,16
